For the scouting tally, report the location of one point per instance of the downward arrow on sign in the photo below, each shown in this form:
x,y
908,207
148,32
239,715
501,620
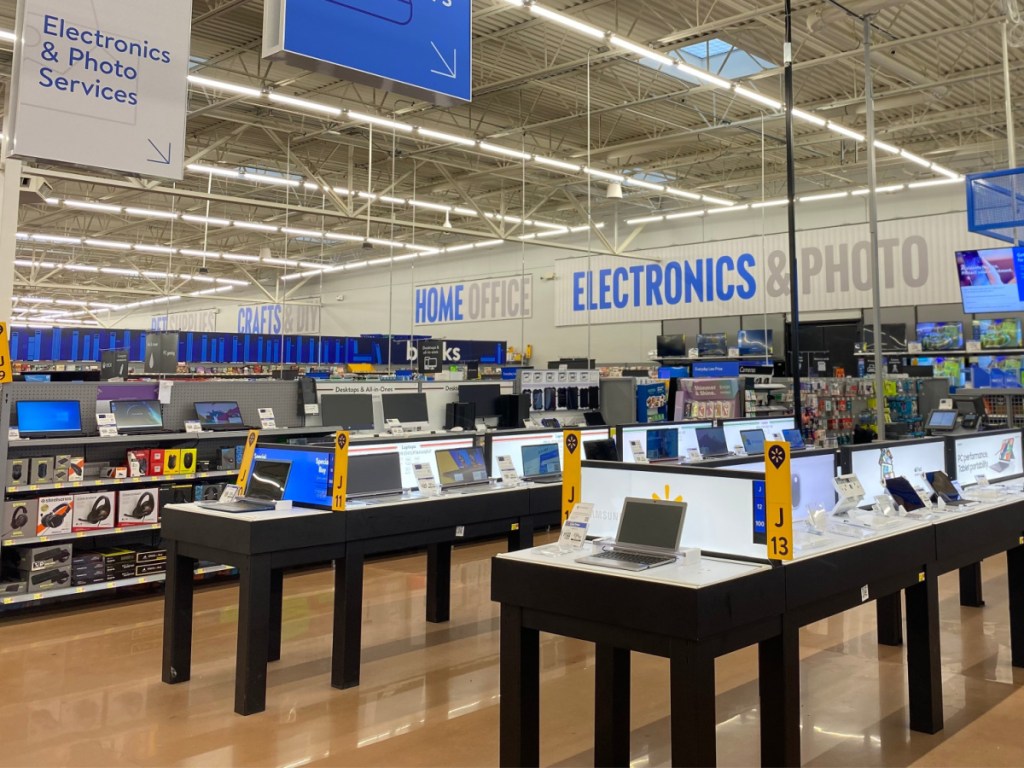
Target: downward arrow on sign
x,y
165,159
451,69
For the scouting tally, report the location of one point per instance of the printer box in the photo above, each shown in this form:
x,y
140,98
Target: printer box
x,y
20,519
55,514
138,462
95,511
44,556
138,507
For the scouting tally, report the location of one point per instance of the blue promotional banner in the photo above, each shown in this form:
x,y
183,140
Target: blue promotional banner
x,y
420,48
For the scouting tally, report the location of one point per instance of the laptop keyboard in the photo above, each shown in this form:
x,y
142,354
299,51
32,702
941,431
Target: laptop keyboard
x,y
631,557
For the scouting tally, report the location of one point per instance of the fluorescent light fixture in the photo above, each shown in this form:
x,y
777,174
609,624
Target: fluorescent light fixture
x,y
714,211
255,225
214,170
302,232
151,213
113,245
8,36
119,271
770,203
567,21
755,96
684,215
887,147
57,239
310,106
716,200
559,164
81,268
87,206
946,172
221,85
682,193
605,175
807,117
879,190
910,156
703,75
645,220
154,248
434,206
932,183
211,220
355,264
199,254
633,182
823,196
449,138
640,50
278,262
497,149
239,257
844,131
379,121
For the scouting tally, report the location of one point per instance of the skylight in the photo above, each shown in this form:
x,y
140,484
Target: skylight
x,y
717,56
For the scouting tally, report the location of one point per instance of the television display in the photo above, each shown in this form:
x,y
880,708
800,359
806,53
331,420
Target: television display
x,y
894,337
311,472
998,334
997,372
991,280
347,411
940,337
712,345
406,407
755,342
951,368
673,345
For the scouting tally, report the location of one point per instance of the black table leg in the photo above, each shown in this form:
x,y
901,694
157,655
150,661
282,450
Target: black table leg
x,y
253,636
439,582
970,586
1015,579
519,730
521,536
924,673
889,615
611,706
778,678
276,613
178,597
692,695
348,619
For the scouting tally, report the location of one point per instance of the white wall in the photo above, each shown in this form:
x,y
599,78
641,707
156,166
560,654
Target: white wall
x,y
381,301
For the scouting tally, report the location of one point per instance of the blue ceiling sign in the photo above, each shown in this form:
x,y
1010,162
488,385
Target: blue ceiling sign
x,y
419,48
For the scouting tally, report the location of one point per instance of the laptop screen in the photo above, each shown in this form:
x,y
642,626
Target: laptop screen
x,y
794,437
457,466
311,477
374,473
268,480
601,450
542,460
753,441
347,411
904,494
137,414
663,443
651,523
51,417
219,413
593,418
941,484
711,441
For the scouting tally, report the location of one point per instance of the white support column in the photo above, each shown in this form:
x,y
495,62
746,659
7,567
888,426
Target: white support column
x,y
10,191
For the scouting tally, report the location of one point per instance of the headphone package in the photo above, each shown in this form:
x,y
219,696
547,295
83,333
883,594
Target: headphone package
x,y
138,507
20,519
55,515
95,511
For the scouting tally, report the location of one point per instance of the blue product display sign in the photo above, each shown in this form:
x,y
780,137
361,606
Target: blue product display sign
x,y
422,48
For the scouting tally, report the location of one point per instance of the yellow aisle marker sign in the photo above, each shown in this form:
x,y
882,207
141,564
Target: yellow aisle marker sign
x,y
572,452
778,475
340,480
247,454
6,371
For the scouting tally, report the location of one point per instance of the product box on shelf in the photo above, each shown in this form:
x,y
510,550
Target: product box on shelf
x,y
208,491
227,459
55,578
20,519
172,461
61,468
138,462
95,511
116,556
145,554
17,472
40,470
87,580
189,458
137,507
148,569
44,556
76,469
9,588
156,461
179,493
114,473
55,514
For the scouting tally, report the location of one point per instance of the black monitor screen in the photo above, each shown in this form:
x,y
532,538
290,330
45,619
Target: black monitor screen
x,y
941,420
601,450
651,523
137,414
227,412
347,411
374,473
672,345
268,480
406,407
483,396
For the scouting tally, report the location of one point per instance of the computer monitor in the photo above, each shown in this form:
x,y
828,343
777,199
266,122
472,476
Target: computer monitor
x,y
57,418
941,421
600,450
374,474
483,396
268,480
311,477
406,407
353,412
460,466
220,413
137,415
539,460
672,345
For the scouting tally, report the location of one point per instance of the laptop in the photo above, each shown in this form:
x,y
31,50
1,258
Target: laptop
x,y
944,489
601,450
137,417
663,445
904,494
542,463
375,474
649,534
753,441
49,418
220,417
461,468
711,442
1004,459
594,419
266,486
795,438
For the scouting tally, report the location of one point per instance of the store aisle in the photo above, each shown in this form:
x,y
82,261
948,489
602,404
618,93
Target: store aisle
x,y
83,687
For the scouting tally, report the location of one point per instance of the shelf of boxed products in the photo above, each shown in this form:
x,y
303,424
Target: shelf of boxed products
x,y
164,437
104,482
79,535
51,594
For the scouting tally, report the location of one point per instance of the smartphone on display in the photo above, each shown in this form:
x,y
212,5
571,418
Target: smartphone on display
x,y
572,399
538,400
549,398
563,398
583,395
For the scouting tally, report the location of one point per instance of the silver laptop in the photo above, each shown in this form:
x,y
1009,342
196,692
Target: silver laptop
x,y
266,487
649,534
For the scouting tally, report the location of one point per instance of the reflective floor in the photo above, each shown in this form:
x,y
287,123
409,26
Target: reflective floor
x,y
82,686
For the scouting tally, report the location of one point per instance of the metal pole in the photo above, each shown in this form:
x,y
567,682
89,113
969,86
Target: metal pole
x,y
876,288
1011,131
794,280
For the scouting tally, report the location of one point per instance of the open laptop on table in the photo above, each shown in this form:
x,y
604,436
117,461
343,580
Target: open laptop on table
x,y
266,486
220,417
42,419
711,442
138,417
542,463
753,441
461,468
649,534
374,475
795,438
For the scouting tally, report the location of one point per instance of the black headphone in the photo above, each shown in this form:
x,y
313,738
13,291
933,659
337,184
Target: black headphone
x,y
100,511
55,518
143,507
20,516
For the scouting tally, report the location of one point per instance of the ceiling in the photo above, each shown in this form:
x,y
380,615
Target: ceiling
x,y
540,88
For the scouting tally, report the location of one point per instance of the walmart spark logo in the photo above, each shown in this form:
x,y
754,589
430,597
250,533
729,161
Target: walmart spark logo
x,y
667,496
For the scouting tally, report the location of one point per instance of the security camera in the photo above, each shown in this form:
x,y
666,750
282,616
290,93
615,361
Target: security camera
x,y
340,297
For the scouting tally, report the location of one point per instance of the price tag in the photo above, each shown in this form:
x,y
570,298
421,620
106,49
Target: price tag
x,y
639,453
865,594
311,409
574,530
229,494
778,500
267,420
914,347
693,353
734,351
982,480
974,346
193,427
13,434
268,424
425,479
108,431
509,476
693,454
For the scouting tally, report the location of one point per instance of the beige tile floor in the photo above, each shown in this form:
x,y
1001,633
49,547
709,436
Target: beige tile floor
x,y
81,686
